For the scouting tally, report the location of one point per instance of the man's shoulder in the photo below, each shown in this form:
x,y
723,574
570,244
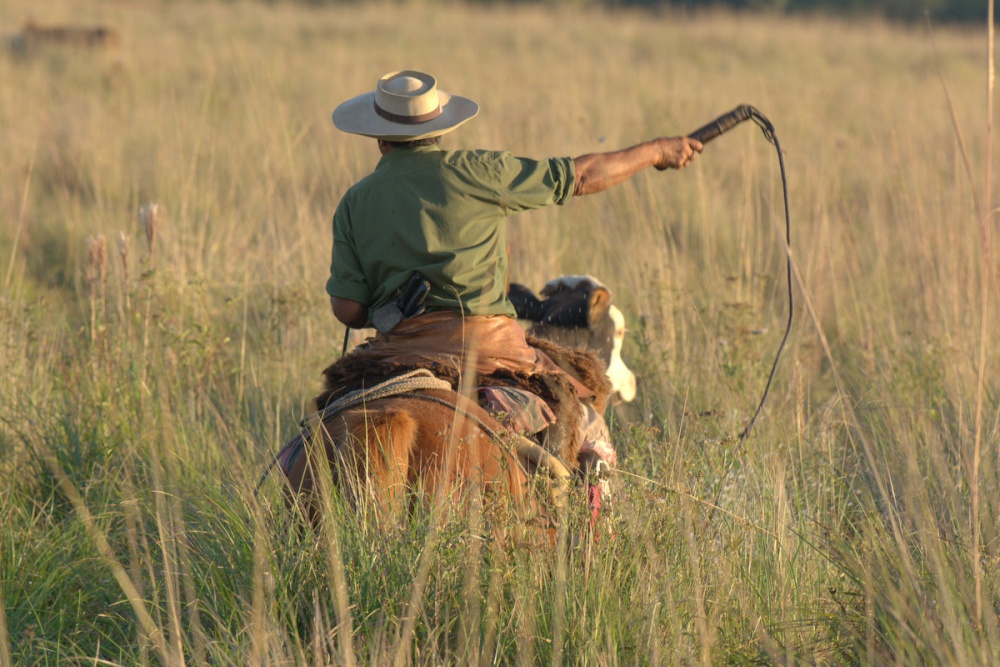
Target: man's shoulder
x,y
466,165
483,164
475,156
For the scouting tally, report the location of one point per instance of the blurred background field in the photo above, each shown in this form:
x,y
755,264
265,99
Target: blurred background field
x,y
146,385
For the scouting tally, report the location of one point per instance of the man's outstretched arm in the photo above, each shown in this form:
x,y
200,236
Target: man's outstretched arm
x,y
596,172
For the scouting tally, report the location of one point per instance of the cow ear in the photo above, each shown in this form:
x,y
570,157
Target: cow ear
x,y
526,304
598,306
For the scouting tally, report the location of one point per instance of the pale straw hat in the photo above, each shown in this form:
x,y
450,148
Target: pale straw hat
x,y
405,106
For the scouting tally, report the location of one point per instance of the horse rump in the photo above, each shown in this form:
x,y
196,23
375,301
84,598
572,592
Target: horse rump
x,y
397,451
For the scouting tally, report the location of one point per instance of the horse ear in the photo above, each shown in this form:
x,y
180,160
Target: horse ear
x,y
598,305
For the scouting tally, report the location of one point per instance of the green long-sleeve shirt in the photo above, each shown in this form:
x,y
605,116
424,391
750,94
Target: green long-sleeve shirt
x,y
441,213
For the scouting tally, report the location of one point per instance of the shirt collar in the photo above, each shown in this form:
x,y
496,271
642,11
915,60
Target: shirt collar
x,y
402,153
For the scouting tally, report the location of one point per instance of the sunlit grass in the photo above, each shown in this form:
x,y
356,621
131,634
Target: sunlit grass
x,y
137,410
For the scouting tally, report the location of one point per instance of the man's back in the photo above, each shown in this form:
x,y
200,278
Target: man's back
x,y
441,213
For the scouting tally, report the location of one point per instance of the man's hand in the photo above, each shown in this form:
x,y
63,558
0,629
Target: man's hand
x,y
676,152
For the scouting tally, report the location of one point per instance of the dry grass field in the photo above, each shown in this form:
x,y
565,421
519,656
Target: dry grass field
x,y
151,366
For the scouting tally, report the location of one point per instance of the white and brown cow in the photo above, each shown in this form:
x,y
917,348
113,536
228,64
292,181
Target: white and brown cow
x,y
577,312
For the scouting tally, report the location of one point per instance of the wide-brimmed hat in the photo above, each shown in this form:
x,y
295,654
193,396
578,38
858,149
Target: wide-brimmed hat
x,y
405,106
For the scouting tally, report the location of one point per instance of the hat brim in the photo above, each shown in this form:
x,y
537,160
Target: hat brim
x,y
357,116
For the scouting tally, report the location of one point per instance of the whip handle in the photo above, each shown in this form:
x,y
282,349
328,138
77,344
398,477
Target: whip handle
x,y
723,123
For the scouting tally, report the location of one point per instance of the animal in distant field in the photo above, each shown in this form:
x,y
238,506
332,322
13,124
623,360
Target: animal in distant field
x,y
382,445
35,38
577,313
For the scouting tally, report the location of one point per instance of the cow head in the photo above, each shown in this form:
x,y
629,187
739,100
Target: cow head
x,y
577,312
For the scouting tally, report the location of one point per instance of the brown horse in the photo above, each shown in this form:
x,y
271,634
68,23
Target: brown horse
x,y
386,448
387,453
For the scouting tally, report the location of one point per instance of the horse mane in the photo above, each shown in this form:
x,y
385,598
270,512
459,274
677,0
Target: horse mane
x,y
584,365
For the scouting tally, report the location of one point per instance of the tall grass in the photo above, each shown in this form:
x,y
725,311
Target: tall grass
x,y
146,386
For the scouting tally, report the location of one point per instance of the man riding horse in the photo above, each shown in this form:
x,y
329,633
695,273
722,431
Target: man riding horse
x,y
420,249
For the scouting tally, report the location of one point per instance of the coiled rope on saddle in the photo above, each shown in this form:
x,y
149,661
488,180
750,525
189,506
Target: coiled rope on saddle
x,y
415,380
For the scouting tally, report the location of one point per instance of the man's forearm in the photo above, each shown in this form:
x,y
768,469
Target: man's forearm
x,y
596,172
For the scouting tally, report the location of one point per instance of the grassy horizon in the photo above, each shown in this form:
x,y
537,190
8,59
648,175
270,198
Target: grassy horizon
x,y
146,386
